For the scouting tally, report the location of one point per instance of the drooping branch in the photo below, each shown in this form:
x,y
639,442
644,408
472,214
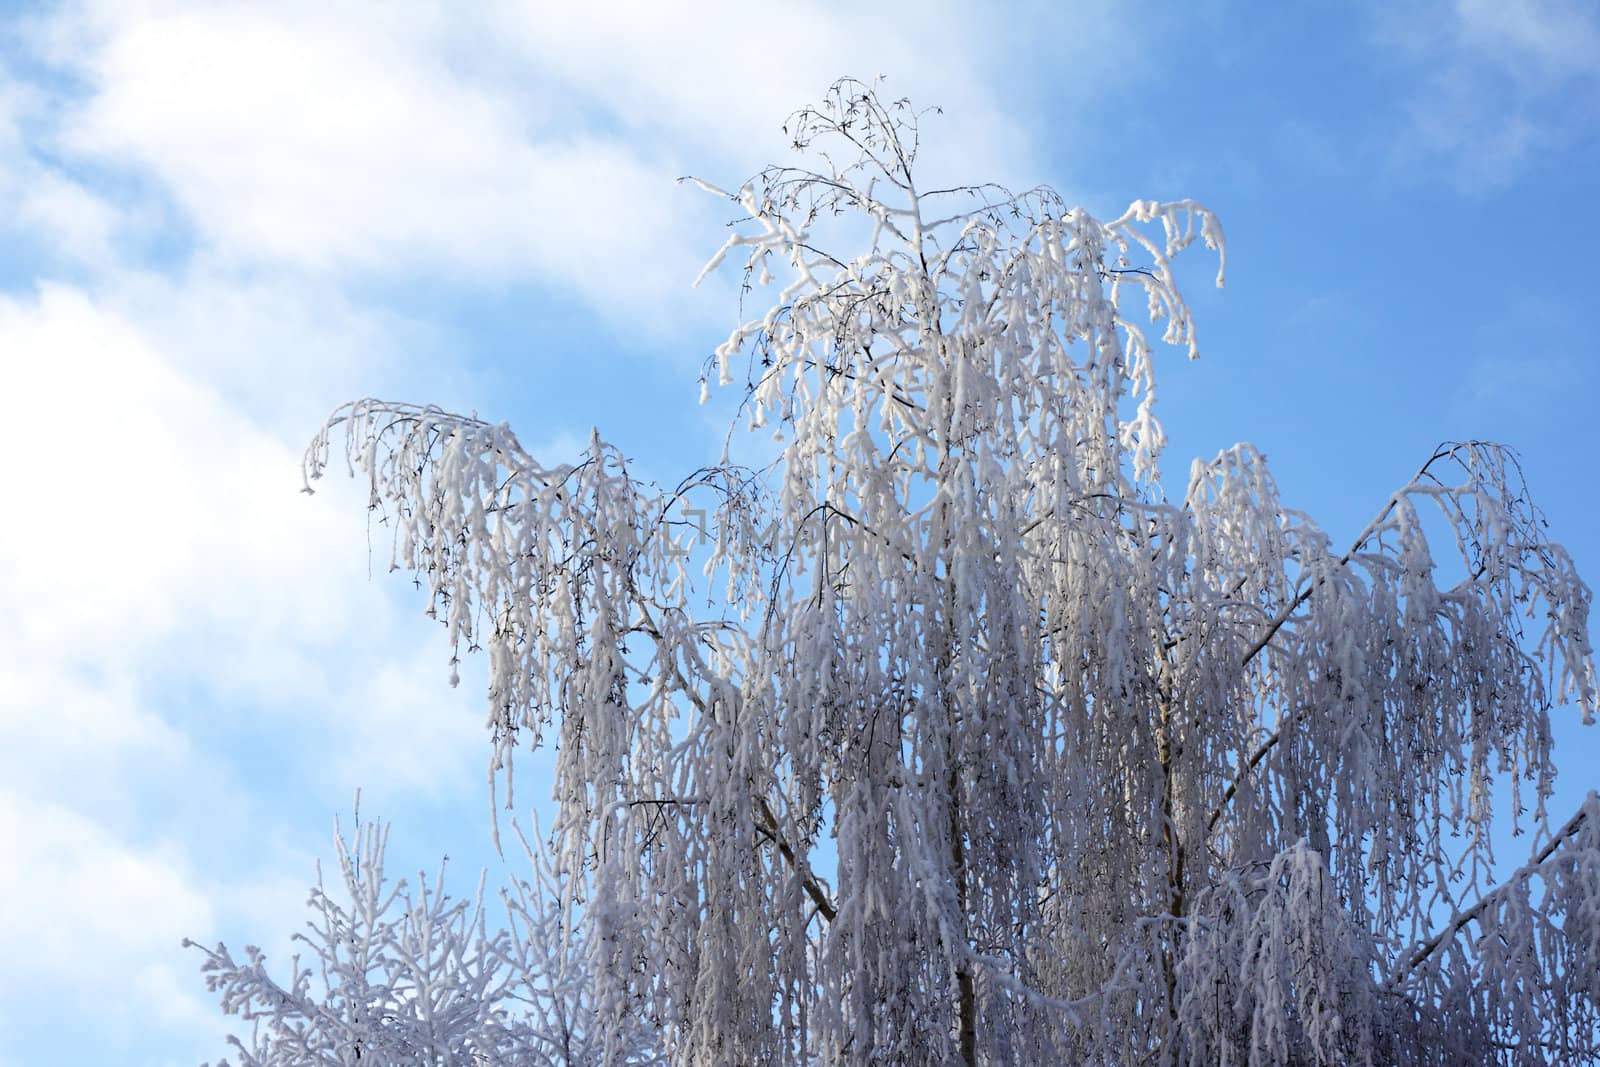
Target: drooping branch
x,y
1410,961
815,889
1374,528
1305,594
1271,631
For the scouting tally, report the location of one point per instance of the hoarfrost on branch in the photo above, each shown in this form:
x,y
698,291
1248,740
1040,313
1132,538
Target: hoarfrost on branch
x,y
964,740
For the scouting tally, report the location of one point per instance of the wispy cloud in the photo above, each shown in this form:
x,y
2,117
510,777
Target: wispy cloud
x,y
1527,365
1496,84
314,145
58,917
304,138
1536,41
72,225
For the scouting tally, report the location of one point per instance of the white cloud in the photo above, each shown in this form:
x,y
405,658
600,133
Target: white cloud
x,y
16,100
1498,84
76,226
70,734
93,928
164,574
82,225
1537,40
70,890
754,67
166,538
284,349
516,141
148,493
323,146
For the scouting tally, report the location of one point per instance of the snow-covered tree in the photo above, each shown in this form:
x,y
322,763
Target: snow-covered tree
x,y
965,740
402,976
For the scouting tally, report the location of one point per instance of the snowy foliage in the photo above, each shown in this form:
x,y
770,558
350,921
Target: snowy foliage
x,y
964,740
403,977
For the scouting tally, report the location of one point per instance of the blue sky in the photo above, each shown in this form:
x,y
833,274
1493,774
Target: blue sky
x,y
223,219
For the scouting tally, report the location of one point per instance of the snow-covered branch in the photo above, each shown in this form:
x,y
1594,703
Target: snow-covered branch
x,y
1070,769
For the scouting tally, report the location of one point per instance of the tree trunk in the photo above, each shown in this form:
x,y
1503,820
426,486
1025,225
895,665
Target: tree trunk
x,y
966,988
